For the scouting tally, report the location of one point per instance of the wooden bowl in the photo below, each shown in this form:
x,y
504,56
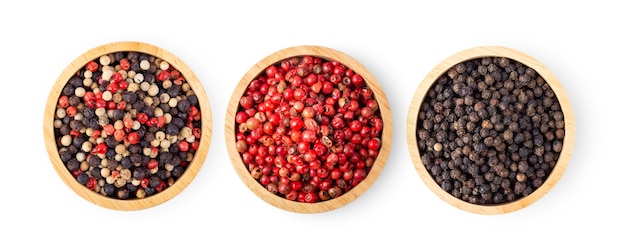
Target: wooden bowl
x,y
242,170
440,70
149,200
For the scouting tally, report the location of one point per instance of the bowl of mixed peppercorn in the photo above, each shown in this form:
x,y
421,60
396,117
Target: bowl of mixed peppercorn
x,y
490,130
127,125
308,129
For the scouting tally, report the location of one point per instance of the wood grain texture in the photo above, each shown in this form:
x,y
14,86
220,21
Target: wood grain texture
x,y
194,165
258,189
485,51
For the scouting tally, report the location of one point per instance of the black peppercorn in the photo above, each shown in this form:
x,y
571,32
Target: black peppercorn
x,y
183,105
174,91
117,114
135,158
65,156
123,193
72,165
193,99
94,160
95,172
490,130
82,178
177,171
150,190
139,173
108,189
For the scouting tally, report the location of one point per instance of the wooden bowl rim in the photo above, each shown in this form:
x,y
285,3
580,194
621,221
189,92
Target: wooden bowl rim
x,y
490,51
194,165
328,54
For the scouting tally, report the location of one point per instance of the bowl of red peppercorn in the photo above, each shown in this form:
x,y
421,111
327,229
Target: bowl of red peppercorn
x,y
490,130
308,129
127,125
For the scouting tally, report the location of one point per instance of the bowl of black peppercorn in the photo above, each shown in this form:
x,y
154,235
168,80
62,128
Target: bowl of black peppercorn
x,y
490,130
127,125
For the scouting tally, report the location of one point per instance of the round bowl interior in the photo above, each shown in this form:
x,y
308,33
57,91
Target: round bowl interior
x,y
253,184
137,203
474,53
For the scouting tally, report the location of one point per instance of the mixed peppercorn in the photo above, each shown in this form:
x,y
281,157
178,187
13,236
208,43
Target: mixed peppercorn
x,y
127,124
308,129
490,130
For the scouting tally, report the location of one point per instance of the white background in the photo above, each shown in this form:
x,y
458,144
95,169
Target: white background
x,y
582,42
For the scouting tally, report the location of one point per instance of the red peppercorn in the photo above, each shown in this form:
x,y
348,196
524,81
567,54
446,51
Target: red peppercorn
x,y
144,182
373,144
174,73
74,133
183,146
299,94
142,118
152,164
195,145
121,105
241,117
161,120
124,64
113,87
377,124
108,129
101,148
77,172
355,125
133,138
128,123
296,123
288,94
117,77
152,121
335,173
357,80
179,80
348,174
161,186
184,163
308,136
111,105
92,66
100,103
92,183
193,111
96,134
90,99
123,85
119,135
252,123
64,101
163,75
310,197
71,111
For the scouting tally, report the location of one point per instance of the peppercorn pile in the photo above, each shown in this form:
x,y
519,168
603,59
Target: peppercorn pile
x,y
127,124
308,129
490,130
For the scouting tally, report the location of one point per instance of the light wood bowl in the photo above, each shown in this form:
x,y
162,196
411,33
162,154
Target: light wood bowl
x,y
491,51
257,188
129,204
